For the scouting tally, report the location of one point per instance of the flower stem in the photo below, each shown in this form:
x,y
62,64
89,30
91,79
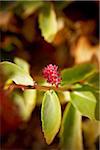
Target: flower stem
x,y
39,87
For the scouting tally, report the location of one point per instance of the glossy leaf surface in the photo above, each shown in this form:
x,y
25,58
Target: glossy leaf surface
x,y
50,115
25,100
85,102
70,135
48,22
12,72
77,73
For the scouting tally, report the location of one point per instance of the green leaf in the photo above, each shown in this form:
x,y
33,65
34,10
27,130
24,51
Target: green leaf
x,y
12,72
93,80
64,97
50,115
84,87
71,133
62,4
96,93
85,102
25,102
22,63
77,73
48,22
97,110
31,6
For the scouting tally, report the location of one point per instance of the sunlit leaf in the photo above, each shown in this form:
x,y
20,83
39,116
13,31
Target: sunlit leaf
x,y
71,134
48,22
85,102
22,63
96,93
24,100
50,115
77,73
12,72
64,96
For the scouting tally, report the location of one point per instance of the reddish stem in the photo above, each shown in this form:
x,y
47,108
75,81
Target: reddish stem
x,y
39,87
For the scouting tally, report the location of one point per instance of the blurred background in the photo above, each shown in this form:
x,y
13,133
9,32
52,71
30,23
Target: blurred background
x,y
75,41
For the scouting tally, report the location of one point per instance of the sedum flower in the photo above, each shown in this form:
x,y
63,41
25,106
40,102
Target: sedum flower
x,y
52,75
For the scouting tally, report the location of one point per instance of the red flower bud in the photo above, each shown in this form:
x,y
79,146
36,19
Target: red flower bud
x,y
52,75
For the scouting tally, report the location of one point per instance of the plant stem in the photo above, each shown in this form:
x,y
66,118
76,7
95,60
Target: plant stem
x,y
39,87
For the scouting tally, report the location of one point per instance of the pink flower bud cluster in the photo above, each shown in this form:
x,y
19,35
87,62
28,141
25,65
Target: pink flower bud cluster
x,y
52,75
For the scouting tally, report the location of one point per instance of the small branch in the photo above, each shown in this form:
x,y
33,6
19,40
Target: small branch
x,y
39,87
45,88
